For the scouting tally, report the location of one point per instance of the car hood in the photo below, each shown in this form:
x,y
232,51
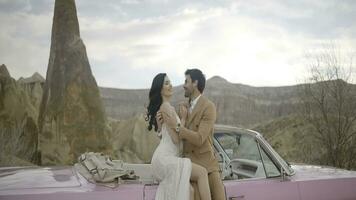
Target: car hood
x,y
311,172
35,177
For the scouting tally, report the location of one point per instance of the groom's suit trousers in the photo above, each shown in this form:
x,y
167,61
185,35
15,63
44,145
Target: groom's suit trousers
x,y
216,187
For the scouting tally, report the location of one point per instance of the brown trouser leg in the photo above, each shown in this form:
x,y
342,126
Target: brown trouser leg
x,y
200,176
196,191
216,186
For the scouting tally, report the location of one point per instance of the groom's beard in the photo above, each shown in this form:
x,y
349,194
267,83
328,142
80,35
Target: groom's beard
x,y
186,94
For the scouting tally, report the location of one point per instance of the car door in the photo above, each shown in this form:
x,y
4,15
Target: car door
x,y
250,173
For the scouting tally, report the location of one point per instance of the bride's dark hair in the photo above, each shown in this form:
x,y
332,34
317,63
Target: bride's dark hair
x,y
155,99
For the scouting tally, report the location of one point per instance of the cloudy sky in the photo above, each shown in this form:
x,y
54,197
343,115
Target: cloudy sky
x,y
259,43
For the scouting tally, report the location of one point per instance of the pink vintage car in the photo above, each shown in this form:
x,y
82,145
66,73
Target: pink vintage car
x,y
251,170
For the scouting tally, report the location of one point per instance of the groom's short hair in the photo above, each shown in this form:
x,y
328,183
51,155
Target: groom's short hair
x,y
197,75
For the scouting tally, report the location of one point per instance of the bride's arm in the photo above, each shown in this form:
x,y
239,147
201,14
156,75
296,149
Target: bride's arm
x,y
171,121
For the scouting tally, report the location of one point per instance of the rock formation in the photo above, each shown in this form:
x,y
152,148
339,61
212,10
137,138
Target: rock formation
x,y
71,118
18,128
33,86
132,142
3,71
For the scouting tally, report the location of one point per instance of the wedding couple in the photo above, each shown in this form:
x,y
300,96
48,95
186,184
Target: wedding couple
x,y
195,174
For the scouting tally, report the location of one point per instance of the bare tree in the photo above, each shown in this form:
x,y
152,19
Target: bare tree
x,y
329,102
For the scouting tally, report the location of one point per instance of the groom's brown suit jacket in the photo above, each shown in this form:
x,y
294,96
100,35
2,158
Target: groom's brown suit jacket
x,y
198,145
198,135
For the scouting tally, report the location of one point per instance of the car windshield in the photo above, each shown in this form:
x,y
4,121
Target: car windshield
x,y
238,146
246,148
285,164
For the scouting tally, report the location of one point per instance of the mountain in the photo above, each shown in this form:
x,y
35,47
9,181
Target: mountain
x,y
122,103
237,104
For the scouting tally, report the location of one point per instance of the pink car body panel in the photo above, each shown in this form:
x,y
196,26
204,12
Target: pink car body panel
x,y
309,183
301,182
59,183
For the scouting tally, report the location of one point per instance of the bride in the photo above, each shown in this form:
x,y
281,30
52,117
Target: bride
x,y
173,172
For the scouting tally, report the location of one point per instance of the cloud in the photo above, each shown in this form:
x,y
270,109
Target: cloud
x,y
24,43
319,19
10,6
129,41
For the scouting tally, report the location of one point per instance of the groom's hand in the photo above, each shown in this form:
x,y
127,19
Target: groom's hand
x,y
183,111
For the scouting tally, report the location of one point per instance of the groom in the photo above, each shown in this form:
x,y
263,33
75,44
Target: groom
x,y
197,133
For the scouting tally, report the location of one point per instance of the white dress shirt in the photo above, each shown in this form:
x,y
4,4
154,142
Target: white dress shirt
x,y
193,103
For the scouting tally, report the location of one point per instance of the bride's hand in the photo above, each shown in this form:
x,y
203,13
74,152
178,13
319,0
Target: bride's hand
x,y
159,120
168,119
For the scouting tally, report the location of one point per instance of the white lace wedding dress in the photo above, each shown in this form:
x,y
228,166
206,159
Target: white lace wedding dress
x,y
172,171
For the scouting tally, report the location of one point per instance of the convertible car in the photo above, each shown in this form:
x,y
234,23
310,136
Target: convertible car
x,y
251,170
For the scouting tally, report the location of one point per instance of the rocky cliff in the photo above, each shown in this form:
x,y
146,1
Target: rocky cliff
x,y
131,140
33,86
18,127
71,119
